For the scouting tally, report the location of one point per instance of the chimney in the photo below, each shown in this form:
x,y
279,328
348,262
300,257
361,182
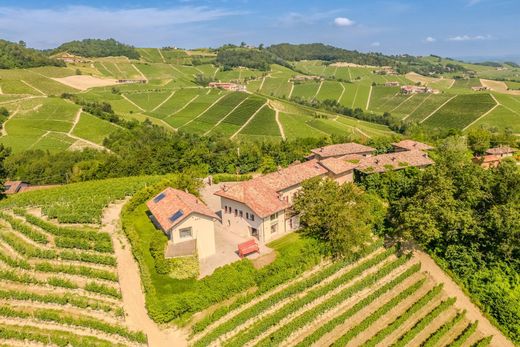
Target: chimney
x,y
225,188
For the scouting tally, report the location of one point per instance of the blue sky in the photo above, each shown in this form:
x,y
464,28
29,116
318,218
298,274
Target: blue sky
x,y
456,28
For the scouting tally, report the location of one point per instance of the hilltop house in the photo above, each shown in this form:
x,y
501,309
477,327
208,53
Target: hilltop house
x,y
494,156
262,207
186,220
501,151
418,90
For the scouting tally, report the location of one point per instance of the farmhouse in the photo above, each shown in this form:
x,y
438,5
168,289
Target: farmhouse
x,y
341,150
487,161
479,88
186,220
418,90
132,81
410,145
228,86
302,78
261,207
392,84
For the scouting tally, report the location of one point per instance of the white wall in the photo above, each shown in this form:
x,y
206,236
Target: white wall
x,y
203,230
236,224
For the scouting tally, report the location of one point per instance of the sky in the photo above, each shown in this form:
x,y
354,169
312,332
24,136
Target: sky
x,y
451,28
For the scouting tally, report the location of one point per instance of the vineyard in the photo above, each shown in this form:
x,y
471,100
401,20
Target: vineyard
x,y
379,300
59,285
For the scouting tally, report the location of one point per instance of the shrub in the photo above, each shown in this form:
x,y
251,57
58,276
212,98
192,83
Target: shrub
x,y
184,268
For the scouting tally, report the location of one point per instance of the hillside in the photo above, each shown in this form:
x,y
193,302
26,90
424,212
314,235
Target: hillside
x,y
16,55
98,48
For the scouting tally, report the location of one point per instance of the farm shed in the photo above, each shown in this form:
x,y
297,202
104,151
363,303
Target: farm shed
x,y
186,220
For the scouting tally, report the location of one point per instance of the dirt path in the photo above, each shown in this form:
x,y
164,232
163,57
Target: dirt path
x,y
224,118
261,84
479,118
292,89
437,109
473,313
280,127
164,101
4,130
401,103
76,121
342,92
133,103
200,114
183,107
318,91
33,87
369,97
140,73
417,107
131,288
162,56
247,121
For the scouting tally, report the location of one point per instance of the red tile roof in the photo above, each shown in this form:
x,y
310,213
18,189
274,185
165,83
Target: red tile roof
x,y
412,145
337,165
490,158
170,201
500,150
261,193
394,161
342,149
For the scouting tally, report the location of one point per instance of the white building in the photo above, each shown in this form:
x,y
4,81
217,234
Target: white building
x,y
186,220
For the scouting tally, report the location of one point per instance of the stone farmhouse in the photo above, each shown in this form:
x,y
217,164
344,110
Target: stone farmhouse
x,y
494,156
228,86
262,207
186,220
418,90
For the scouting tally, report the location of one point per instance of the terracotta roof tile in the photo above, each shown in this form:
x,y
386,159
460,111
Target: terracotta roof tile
x,y
412,145
170,201
337,165
342,149
261,193
500,150
394,161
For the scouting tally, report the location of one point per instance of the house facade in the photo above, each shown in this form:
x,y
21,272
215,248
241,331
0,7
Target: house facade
x,y
186,220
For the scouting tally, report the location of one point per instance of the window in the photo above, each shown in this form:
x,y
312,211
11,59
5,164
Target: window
x,y
236,212
185,233
241,213
252,217
254,232
225,209
247,215
274,228
274,216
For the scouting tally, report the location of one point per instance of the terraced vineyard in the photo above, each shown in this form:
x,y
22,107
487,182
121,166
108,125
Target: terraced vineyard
x,y
59,285
379,300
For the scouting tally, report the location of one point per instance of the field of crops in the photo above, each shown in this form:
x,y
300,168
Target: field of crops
x,y
461,111
59,285
379,300
79,202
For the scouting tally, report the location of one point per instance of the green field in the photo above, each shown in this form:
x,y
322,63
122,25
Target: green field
x,y
461,111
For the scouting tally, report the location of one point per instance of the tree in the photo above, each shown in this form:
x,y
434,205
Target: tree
x,y
342,216
479,140
4,153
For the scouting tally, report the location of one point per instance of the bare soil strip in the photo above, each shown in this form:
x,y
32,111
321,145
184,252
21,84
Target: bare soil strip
x,y
318,91
290,93
455,331
280,127
410,322
432,327
248,121
498,86
340,330
131,288
391,315
317,302
76,121
162,56
355,96
401,103
473,313
4,130
437,109
85,82
342,92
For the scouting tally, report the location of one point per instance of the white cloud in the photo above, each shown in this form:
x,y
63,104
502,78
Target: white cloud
x,y
343,22
43,28
297,18
375,44
430,39
469,38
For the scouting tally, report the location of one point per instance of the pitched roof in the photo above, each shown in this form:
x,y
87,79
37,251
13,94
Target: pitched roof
x,y
393,161
261,193
500,150
172,206
490,158
341,149
411,145
338,165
